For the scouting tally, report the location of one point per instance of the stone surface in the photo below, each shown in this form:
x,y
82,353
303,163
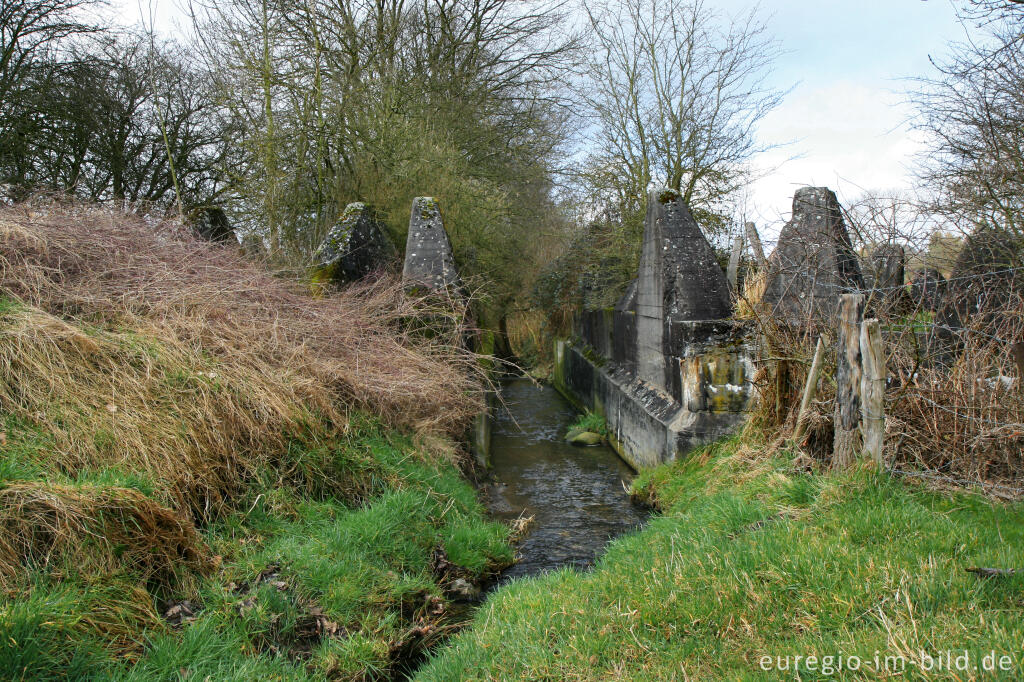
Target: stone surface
x,y
212,225
429,261
711,364
596,329
886,267
984,279
927,288
355,247
585,438
679,275
628,300
814,261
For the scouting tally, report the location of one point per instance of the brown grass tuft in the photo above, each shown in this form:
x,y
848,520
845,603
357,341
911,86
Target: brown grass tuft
x,y
94,529
116,270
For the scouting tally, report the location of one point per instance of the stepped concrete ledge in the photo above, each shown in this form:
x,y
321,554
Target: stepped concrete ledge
x,y
648,426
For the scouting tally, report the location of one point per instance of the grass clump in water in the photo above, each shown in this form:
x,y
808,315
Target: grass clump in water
x,y
753,558
589,422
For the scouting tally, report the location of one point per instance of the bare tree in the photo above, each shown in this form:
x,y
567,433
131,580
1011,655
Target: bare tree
x,y
29,28
674,93
971,113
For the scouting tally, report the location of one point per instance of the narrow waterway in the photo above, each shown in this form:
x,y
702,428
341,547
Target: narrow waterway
x,y
577,496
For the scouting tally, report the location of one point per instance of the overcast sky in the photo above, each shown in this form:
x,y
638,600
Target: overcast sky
x,y
845,120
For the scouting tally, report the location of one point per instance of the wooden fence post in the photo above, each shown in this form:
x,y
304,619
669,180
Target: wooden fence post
x,y
810,390
733,273
755,245
872,389
847,442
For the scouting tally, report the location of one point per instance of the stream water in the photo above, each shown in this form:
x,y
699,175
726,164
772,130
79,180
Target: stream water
x,y
577,496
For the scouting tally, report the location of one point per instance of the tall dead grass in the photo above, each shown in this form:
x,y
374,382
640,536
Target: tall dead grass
x,y
94,530
91,264
134,347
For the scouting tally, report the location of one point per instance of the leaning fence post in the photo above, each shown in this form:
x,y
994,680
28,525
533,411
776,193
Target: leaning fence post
x,y
847,441
755,245
872,389
732,274
810,389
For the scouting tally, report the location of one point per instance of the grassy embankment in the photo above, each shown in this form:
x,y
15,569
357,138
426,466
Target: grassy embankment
x,y
206,474
754,558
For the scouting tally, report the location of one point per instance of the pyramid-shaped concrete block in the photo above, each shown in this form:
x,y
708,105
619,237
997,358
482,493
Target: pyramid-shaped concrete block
x,y
886,267
429,261
985,280
814,262
355,247
679,278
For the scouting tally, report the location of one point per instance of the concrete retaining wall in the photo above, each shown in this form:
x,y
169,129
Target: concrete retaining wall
x,y
647,426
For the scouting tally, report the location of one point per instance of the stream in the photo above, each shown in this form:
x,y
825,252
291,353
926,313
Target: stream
x,y
577,495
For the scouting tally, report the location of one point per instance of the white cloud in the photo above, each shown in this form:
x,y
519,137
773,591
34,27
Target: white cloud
x,y
846,135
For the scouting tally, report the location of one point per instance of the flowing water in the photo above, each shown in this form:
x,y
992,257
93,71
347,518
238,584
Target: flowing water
x,y
576,495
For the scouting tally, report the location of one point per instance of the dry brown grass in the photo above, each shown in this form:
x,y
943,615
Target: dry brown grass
x,y
134,347
954,403
94,530
91,264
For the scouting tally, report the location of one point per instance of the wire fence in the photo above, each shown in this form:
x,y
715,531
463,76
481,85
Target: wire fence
x,y
954,395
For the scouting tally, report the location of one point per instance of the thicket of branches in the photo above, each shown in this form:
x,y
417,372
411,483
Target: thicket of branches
x,y
283,112
953,338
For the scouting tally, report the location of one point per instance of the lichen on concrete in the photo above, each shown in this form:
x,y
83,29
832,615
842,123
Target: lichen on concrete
x,y
429,261
356,247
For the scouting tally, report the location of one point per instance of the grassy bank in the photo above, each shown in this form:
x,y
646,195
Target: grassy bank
x,y
752,558
207,474
288,585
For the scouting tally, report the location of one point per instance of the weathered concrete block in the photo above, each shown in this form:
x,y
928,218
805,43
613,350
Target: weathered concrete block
x,y
429,261
595,328
624,340
628,300
355,247
711,365
814,261
984,279
212,224
679,276
886,267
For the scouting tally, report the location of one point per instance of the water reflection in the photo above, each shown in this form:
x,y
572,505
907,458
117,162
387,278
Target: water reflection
x,y
577,495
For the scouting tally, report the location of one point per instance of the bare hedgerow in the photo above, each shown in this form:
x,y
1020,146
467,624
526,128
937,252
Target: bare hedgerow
x,y
954,399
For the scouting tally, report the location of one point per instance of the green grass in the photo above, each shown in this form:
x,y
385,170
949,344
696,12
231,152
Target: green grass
x,y
752,559
362,565
589,421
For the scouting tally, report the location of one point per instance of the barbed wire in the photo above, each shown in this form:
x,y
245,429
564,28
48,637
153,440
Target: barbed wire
x,y
952,480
